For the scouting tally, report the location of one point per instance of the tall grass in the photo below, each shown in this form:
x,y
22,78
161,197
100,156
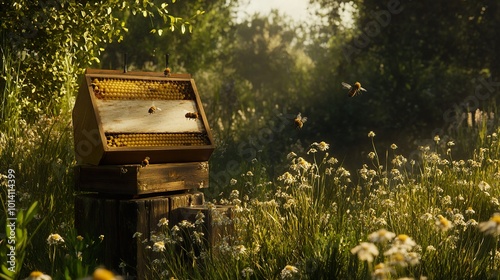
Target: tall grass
x,y
39,149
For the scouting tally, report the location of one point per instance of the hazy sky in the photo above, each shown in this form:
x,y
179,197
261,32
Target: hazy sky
x,y
300,10
295,8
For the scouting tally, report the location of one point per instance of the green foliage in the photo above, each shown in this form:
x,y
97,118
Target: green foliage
x,y
14,248
255,92
35,150
183,250
74,256
57,39
191,51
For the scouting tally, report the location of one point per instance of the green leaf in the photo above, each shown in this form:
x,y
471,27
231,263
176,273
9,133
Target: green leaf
x,y
7,274
183,28
160,32
20,218
31,211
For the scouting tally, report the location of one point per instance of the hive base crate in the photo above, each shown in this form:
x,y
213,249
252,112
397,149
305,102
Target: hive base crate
x,y
118,219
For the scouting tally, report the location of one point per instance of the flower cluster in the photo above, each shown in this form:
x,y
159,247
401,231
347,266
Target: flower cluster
x,y
289,272
399,252
55,239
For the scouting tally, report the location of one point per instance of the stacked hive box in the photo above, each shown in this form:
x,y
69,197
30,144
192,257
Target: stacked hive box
x,y
142,144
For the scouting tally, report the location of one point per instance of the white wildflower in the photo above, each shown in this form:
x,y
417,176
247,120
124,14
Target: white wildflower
x,y
366,251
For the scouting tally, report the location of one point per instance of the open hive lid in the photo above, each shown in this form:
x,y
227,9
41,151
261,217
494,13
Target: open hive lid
x,y
124,118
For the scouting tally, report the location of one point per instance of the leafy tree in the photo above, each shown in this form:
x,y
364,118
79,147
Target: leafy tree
x,y
54,40
188,52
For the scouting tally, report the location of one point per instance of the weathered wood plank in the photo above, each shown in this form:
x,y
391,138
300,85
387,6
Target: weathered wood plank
x,y
157,155
87,136
139,180
119,73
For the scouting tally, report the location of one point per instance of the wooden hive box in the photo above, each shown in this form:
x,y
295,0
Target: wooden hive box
x,y
125,118
135,179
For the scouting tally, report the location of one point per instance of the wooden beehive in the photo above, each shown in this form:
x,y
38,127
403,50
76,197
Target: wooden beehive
x,y
124,118
138,179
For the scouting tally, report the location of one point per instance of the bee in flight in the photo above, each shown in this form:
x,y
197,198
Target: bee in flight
x,y
354,89
192,116
299,121
153,109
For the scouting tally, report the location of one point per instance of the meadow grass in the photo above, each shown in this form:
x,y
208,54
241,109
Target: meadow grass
x,y
38,147
426,219
393,217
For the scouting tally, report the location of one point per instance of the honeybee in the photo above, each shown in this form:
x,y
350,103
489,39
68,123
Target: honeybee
x,y
192,116
166,72
95,82
153,109
96,88
145,162
354,89
299,121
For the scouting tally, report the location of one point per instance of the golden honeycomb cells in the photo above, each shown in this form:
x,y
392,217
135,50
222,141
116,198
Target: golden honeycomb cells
x,y
156,139
126,89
